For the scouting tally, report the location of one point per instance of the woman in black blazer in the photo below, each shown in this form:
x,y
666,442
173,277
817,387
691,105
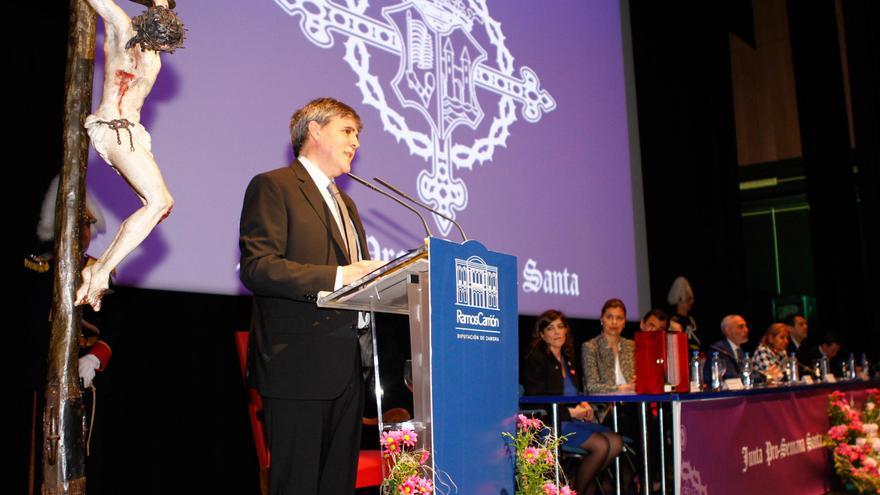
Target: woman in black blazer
x,y
547,370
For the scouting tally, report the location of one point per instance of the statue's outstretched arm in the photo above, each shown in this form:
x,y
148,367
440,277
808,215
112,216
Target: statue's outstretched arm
x,y
114,17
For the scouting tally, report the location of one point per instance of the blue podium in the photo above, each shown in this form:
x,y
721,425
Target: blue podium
x,y
462,305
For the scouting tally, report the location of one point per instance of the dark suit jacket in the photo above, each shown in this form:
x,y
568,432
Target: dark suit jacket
x,y
810,354
290,250
727,356
541,376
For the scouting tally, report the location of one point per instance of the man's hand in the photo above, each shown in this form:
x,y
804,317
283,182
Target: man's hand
x,y
354,271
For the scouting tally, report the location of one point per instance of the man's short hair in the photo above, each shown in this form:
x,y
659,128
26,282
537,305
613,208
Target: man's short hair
x,y
727,320
319,110
789,320
159,29
656,313
830,339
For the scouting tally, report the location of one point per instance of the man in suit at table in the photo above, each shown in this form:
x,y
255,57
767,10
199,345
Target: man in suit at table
x,y
829,347
301,235
729,349
798,333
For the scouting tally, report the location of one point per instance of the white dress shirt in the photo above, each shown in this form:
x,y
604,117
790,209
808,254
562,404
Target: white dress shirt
x,y
322,181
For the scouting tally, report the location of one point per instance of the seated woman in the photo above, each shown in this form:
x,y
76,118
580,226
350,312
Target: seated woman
x,y
609,359
609,366
547,370
770,358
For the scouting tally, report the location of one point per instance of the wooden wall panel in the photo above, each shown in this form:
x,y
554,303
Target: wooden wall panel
x,y
764,97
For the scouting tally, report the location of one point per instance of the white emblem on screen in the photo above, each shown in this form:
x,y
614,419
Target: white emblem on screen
x,y
441,65
476,283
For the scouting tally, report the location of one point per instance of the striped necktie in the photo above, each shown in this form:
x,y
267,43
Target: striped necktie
x,y
347,230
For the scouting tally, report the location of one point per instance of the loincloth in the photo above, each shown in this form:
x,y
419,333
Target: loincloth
x,y
121,133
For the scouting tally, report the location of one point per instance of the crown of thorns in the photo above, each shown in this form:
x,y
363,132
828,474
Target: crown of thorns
x,y
159,29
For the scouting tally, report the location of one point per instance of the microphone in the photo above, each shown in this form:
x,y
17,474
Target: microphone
x,y
804,367
419,203
371,186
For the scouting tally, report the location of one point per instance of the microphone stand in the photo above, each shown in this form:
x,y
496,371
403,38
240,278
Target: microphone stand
x,y
371,186
419,203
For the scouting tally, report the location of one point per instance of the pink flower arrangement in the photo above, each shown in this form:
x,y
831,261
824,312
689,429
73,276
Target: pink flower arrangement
x,y
534,446
526,423
407,472
551,489
531,455
853,440
393,441
837,432
415,485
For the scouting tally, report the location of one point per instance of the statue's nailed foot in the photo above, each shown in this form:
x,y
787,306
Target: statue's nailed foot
x,y
93,287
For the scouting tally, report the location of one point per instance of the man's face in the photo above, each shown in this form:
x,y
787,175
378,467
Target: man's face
x,y
831,350
799,329
736,330
653,324
333,146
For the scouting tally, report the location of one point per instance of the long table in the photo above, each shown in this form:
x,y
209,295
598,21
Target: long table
x,y
761,440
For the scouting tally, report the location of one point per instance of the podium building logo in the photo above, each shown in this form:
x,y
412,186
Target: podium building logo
x,y
476,301
441,66
476,283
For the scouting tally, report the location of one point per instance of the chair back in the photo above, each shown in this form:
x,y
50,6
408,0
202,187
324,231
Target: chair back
x,y
255,403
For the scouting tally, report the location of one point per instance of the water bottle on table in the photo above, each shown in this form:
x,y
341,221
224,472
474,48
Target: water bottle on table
x,y
716,373
851,367
746,374
696,378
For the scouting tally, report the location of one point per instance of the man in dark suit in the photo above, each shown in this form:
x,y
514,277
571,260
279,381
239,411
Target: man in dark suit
x,y
729,349
829,347
798,333
301,235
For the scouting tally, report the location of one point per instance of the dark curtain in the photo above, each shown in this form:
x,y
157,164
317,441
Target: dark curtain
x,y
688,150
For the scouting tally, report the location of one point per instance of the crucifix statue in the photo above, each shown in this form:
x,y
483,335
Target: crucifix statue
x,y
131,65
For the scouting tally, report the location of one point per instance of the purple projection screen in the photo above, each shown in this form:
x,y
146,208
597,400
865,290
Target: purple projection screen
x,y
524,110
